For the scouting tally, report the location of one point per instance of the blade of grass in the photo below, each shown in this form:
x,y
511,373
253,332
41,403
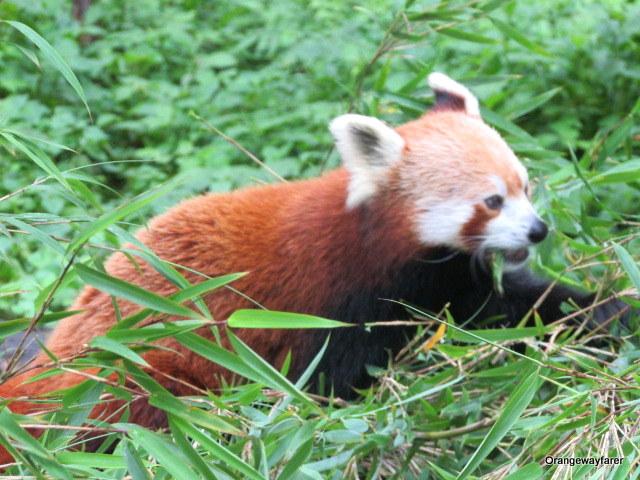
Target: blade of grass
x,y
510,32
135,465
9,327
165,452
110,345
297,459
128,291
218,451
37,157
109,218
248,318
218,355
266,371
516,404
466,36
628,264
9,426
53,56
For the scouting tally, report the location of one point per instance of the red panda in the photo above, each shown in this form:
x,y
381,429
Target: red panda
x,y
409,216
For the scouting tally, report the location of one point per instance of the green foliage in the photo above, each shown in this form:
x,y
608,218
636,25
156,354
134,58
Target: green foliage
x,y
162,79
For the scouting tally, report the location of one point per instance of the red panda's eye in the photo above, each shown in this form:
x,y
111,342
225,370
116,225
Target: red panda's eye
x,y
526,189
494,202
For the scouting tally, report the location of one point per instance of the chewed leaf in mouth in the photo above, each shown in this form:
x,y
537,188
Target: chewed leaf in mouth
x,y
505,260
516,256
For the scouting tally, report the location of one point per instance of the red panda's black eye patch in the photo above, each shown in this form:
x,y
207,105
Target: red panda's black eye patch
x,y
494,202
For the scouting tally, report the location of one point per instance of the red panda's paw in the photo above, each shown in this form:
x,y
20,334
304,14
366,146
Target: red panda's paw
x,y
619,317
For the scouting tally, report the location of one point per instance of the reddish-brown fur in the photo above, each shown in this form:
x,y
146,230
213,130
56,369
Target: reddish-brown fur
x,y
301,247
475,226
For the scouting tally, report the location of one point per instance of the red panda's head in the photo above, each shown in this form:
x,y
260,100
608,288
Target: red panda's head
x,y
462,185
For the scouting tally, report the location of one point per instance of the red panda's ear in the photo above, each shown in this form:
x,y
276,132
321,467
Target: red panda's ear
x,y
368,148
451,95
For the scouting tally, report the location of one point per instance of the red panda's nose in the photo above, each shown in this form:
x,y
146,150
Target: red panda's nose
x,y
538,231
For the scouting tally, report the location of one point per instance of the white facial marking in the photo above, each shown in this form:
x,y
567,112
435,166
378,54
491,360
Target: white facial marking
x,y
440,224
500,185
510,229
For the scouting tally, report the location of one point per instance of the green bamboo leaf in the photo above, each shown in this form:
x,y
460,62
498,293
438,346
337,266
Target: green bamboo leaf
x,y
164,268
247,318
491,5
512,33
186,446
29,54
166,401
266,371
109,218
37,157
623,471
209,285
306,375
150,333
466,36
444,474
616,138
166,453
413,398
10,427
626,172
218,451
220,356
110,345
191,292
629,265
93,460
34,137
502,123
84,193
53,56
531,471
300,456
417,80
9,327
128,291
496,334
135,465
516,404
533,103
37,234
433,14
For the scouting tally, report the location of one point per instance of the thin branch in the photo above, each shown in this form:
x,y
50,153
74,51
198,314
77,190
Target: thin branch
x,y
236,144
17,354
456,432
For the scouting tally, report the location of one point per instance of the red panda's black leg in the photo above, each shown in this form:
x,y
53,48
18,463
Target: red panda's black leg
x,y
523,290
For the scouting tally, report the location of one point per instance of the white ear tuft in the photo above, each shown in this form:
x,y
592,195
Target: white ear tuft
x,y
368,147
453,95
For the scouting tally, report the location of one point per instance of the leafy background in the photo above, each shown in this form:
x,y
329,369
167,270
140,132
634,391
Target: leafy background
x,y
559,79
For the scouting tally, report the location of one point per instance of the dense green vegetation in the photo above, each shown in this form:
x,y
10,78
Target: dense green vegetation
x,y
166,81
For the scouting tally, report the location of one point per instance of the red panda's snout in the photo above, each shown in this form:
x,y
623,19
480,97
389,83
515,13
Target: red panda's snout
x,y
515,227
